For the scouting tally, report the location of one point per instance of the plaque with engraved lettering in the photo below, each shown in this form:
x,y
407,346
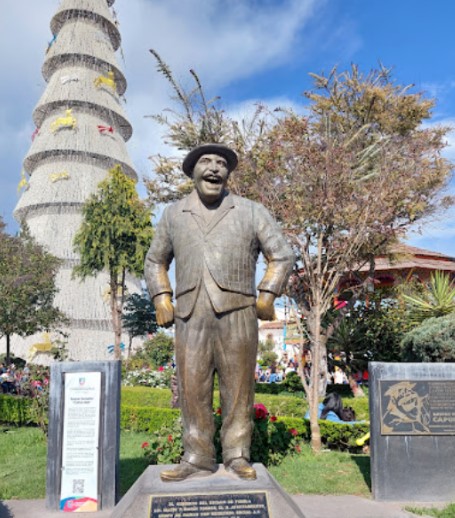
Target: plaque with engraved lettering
x,y
417,407
217,505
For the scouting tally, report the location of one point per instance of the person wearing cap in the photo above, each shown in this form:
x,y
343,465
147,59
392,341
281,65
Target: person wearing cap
x,y
215,238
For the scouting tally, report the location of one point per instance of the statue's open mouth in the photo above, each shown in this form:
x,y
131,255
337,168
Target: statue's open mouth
x,y
213,179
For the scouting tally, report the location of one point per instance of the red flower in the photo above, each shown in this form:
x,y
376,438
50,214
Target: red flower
x,y
260,412
169,438
273,418
218,411
145,445
298,449
293,432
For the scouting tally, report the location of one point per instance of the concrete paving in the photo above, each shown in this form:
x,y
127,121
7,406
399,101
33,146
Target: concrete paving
x,y
312,506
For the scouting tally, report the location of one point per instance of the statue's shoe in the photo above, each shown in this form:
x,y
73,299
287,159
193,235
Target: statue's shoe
x,y
183,471
242,469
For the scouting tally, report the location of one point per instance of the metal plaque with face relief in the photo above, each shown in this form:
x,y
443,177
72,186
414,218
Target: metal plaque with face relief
x,y
220,505
417,407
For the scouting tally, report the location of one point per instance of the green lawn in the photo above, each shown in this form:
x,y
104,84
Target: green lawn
x,y
23,467
447,512
329,473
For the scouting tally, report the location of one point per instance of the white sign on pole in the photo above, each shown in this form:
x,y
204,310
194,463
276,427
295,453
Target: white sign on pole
x,y
80,451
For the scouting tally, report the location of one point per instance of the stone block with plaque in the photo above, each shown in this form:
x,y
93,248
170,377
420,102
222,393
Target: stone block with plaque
x,y
412,415
221,494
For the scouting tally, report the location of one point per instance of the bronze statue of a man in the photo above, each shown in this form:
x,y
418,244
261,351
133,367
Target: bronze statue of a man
x,y
215,238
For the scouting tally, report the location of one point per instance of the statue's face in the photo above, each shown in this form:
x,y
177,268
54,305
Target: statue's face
x,y
210,175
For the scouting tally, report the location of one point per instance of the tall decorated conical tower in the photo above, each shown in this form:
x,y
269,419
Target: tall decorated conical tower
x,y
81,130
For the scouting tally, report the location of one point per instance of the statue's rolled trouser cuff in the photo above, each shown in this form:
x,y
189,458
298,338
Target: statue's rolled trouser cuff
x,y
235,453
200,461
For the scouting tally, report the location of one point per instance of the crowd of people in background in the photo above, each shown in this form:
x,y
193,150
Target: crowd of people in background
x,y
22,381
277,371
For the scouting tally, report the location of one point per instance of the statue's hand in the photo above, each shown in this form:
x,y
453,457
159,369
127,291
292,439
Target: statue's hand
x,y
164,310
264,306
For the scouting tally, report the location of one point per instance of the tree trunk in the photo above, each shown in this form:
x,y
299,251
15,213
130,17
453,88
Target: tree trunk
x,y
314,328
323,367
116,317
8,347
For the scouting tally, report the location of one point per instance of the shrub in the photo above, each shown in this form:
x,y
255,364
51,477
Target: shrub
x,y
271,440
147,378
269,388
292,382
15,410
337,436
158,350
431,341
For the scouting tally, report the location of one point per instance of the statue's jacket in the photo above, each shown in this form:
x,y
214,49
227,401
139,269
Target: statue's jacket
x,y
221,254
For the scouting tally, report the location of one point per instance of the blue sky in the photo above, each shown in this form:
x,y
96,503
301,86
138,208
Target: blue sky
x,y
244,50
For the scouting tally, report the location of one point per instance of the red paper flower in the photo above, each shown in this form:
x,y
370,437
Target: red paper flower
x,y
218,411
145,445
169,438
293,432
273,418
260,412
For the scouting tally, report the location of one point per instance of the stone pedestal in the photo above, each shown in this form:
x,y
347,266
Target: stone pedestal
x,y
412,415
219,495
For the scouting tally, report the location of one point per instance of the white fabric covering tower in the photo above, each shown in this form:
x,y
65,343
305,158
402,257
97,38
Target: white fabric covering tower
x,y
81,134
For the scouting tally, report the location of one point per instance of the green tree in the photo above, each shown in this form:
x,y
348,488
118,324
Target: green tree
x,y
371,331
432,341
346,180
139,316
266,351
114,236
159,350
27,287
435,299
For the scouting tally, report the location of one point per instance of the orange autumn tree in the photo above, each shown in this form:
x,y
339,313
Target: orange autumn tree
x,y
346,179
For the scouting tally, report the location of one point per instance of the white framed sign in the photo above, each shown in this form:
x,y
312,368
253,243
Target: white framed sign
x,y
80,449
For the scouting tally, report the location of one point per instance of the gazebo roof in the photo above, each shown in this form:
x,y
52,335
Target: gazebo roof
x,y
405,257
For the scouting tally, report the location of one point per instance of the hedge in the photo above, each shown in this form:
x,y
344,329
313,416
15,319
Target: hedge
x,y
147,410
146,396
288,405
146,419
15,410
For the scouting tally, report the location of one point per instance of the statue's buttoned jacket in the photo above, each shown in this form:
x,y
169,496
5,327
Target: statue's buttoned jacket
x,y
228,247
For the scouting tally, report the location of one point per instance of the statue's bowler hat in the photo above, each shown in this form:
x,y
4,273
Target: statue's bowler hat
x,y
209,149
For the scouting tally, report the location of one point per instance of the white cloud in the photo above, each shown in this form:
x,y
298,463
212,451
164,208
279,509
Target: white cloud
x,y
224,41
438,90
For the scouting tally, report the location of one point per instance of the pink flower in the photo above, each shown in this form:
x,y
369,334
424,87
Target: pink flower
x,y
260,412
293,432
145,445
273,418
